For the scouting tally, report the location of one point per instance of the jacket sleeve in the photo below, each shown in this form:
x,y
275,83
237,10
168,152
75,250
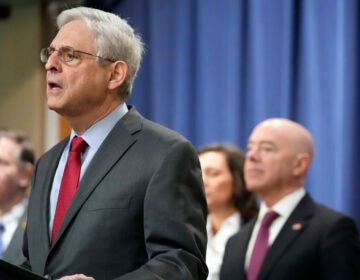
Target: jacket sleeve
x,y
175,219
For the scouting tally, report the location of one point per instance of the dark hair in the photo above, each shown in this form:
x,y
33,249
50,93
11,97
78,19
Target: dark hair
x,y
27,154
244,200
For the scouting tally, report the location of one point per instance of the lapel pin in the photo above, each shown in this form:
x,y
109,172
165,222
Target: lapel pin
x,y
296,226
23,224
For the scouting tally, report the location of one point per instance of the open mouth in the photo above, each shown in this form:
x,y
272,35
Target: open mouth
x,y
53,85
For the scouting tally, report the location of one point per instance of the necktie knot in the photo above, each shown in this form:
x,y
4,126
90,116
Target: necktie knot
x,y
78,145
269,217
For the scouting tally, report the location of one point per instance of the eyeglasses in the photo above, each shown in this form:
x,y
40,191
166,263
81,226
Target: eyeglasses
x,y
65,54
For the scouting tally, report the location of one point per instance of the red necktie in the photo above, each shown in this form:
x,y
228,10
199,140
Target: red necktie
x,y
261,246
69,182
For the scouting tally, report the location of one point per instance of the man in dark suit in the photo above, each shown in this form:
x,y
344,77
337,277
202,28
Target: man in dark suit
x,y
305,240
16,166
139,210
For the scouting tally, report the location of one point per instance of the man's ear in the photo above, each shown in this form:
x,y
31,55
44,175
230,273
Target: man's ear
x,y
25,175
302,163
118,74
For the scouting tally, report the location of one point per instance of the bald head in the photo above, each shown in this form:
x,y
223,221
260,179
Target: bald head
x,y
297,135
278,156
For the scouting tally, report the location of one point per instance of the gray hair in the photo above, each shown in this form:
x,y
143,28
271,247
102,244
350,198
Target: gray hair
x,y
26,154
115,39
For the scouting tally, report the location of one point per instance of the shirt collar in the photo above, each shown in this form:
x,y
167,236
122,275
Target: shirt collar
x,y
231,221
96,134
285,206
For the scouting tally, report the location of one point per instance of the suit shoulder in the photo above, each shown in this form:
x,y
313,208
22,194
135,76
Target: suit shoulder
x,y
160,131
158,139
135,122
329,213
329,218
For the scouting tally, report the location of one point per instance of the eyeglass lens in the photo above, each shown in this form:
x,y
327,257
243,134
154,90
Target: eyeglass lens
x,y
65,54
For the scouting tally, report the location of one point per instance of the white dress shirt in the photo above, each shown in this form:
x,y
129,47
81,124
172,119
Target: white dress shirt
x,y
284,208
216,243
11,220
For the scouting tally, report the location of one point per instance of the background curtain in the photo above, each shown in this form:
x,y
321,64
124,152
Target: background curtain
x,y
215,68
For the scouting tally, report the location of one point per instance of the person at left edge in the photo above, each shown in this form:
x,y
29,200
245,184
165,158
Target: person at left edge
x,y
17,158
139,211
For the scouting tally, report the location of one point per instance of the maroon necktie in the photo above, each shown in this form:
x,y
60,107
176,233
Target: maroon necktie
x,y
261,246
69,182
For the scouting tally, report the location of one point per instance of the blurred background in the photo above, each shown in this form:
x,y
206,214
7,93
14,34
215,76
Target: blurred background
x,y
212,70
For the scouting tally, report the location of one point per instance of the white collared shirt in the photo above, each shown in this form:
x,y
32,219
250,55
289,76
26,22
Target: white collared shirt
x,y
216,243
11,220
284,208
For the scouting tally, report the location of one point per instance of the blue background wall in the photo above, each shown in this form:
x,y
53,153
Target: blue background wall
x,y
215,68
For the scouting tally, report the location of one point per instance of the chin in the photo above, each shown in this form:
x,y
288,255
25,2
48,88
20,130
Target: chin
x,y
56,109
52,107
252,187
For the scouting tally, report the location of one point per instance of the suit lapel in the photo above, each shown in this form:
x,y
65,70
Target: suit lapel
x,y
112,149
242,247
233,266
39,201
50,163
291,230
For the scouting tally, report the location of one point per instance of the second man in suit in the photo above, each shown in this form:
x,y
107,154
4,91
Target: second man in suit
x,y
303,240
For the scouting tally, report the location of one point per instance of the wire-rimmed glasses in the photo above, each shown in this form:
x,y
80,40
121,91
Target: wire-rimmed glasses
x,y
66,54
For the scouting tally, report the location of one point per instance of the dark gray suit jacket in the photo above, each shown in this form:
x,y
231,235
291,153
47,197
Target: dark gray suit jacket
x,y
139,211
324,246
13,253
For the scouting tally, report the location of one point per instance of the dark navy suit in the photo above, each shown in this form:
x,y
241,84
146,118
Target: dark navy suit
x,y
315,243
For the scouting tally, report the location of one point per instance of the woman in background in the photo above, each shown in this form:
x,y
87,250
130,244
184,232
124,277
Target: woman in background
x,y
230,204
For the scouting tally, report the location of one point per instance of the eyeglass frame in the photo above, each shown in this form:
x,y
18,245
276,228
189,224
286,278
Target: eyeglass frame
x,y
47,52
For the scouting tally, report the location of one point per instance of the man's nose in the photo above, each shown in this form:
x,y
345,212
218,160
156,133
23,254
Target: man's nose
x,y
52,62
